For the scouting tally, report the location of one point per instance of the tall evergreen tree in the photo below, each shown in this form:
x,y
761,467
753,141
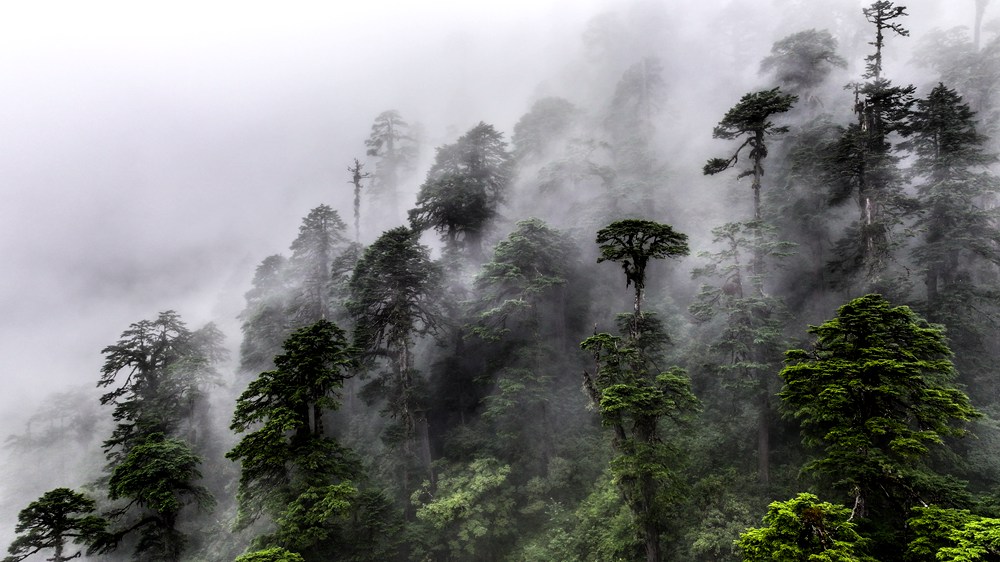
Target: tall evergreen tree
x,y
464,189
286,448
876,395
394,299
748,324
959,250
632,396
750,120
162,369
865,164
321,239
392,143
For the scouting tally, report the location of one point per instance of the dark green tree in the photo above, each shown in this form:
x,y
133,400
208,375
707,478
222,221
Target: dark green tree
x,y
55,519
156,479
162,370
876,395
749,120
803,528
959,230
286,449
465,188
632,243
631,394
395,293
864,163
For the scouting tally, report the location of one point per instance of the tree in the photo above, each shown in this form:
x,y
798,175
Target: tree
x,y
544,124
951,162
749,337
356,176
633,242
632,396
394,298
876,394
465,188
864,161
801,61
166,368
750,119
286,449
392,143
56,518
803,528
468,513
265,316
321,239
526,303
157,476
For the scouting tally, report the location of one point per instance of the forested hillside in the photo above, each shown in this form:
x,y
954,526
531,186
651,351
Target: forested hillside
x,y
607,330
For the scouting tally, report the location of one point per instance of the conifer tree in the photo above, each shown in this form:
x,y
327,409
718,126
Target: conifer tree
x,y
55,519
395,292
864,163
632,396
392,143
464,189
875,395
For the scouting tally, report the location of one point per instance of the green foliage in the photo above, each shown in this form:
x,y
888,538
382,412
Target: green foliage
x,y
312,516
165,369
158,476
394,292
876,394
803,528
952,535
599,529
960,231
57,517
633,242
275,554
750,118
468,512
282,410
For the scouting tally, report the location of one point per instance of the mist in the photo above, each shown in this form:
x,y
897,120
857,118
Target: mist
x,y
153,155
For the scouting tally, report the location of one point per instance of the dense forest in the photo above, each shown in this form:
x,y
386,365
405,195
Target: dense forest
x,y
581,339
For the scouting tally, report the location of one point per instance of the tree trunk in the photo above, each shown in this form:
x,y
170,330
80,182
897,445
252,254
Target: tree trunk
x,y
764,435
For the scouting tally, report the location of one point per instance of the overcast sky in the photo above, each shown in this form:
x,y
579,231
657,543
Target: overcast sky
x,y
151,156
152,153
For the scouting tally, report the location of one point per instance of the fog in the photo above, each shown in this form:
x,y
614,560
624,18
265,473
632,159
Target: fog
x,y
152,155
